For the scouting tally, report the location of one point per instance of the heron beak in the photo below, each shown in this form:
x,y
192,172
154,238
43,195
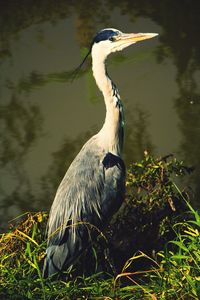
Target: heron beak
x,y
136,37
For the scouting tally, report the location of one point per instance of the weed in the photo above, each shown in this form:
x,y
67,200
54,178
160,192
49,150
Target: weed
x,y
153,217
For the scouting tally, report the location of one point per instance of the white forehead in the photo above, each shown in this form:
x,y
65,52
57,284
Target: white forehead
x,y
113,29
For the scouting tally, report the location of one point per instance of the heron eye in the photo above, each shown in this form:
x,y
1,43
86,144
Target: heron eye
x,y
112,39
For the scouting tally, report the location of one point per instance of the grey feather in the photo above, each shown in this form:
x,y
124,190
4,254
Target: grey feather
x,y
90,192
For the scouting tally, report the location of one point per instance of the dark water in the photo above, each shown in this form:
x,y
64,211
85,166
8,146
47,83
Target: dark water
x,y
45,118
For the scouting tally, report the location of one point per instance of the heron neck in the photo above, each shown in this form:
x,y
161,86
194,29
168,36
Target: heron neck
x,y
111,134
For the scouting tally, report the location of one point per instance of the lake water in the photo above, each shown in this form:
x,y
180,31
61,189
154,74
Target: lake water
x,y
45,117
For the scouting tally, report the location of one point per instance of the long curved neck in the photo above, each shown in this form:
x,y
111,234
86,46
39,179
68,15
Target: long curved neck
x,y
112,132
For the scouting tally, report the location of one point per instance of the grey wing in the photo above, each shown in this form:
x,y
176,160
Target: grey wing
x,y
91,191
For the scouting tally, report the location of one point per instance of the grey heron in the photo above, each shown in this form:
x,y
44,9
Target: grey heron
x,y
93,187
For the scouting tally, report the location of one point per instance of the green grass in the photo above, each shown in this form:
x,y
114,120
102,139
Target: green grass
x,y
173,272
179,277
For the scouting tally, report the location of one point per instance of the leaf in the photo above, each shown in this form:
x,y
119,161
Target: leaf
x,y
192,232
197,217
194,222
180,256
197,278
180,245
26,236
28,249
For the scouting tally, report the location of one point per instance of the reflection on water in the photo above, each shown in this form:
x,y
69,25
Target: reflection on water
x,y
45,118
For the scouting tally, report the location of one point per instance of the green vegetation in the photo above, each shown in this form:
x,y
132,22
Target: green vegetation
x,y
154,242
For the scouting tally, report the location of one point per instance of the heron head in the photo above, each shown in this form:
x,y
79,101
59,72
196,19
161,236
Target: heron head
x,y
111,40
